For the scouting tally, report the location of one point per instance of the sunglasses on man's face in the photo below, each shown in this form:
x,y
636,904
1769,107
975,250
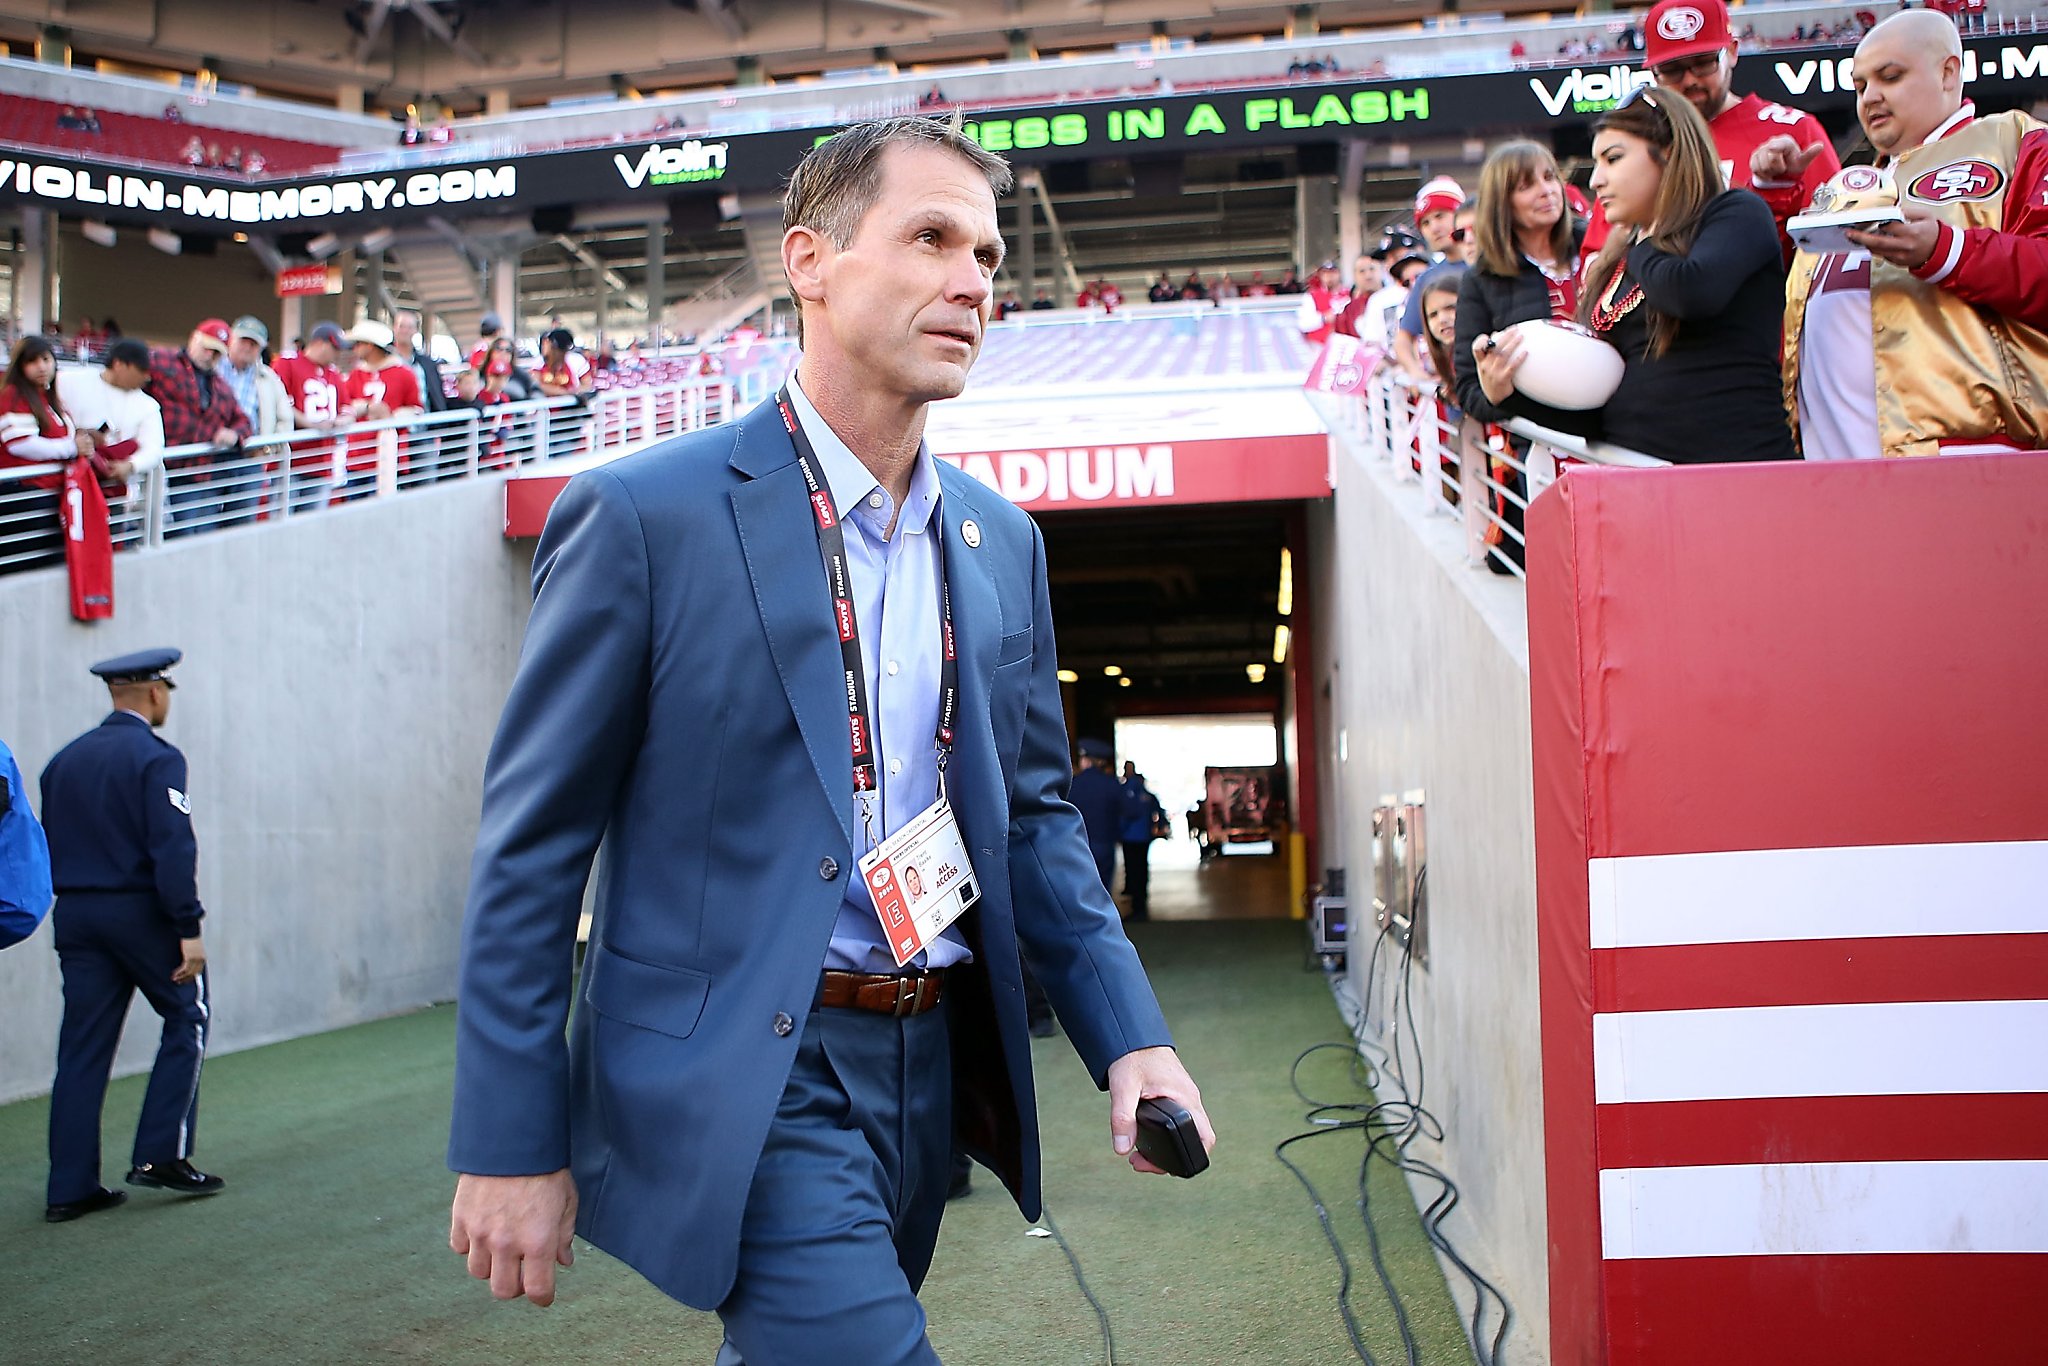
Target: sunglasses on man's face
x,y
1671,73
1461,234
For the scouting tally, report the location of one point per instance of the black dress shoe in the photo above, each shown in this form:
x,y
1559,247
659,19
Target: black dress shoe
x,y
78,1209
1042,1027
961,1184
177,1176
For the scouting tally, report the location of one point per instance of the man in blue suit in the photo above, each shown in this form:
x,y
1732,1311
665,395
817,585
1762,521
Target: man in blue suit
x,y
761,658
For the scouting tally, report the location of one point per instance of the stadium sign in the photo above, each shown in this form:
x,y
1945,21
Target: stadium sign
x,y
691,163
1588,92
1276,116
62,181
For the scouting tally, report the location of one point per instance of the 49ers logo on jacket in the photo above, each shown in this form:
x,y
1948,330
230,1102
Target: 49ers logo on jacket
x,y
1680,24
1959,180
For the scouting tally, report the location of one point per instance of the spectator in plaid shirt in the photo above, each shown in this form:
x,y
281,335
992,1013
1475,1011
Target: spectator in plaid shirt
x,y
199,409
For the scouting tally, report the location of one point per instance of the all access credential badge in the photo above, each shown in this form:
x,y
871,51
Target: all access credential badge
x,y
920,881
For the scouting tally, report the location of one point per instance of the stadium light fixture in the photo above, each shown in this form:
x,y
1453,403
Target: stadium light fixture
x,y
1286,582
1281,637
101,233
323,246
1112,671
1123,682
1069,676
1255,672
169,243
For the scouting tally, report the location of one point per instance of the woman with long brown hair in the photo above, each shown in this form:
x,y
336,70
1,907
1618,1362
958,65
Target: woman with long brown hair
x,y
1527,270
33,431
1690,288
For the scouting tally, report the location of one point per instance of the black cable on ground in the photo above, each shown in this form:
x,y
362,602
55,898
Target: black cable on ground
x,y
1101,1314
1391,1126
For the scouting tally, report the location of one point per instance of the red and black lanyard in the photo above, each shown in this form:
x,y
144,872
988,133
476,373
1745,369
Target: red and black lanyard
x,y
839,578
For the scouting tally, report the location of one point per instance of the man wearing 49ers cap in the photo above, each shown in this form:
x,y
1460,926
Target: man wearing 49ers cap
x,y
1933,337
1781,154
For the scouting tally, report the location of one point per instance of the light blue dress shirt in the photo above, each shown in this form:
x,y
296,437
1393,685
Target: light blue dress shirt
x,y
896,604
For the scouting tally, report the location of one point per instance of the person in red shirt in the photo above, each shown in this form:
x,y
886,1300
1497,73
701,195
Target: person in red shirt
x,y
1782,154
33,431
1324,302
381,386
313,384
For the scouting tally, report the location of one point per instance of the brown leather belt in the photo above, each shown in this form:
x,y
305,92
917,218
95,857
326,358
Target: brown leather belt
x,y
910,994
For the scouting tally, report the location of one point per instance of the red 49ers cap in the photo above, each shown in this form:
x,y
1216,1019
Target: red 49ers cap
x,y
214,331
1684,28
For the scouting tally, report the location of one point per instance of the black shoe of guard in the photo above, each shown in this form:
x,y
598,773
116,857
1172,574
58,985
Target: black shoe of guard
x,y
78,1209
177,1176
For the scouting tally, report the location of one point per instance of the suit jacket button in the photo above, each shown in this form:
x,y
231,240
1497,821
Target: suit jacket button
x,y
783,1025
828,868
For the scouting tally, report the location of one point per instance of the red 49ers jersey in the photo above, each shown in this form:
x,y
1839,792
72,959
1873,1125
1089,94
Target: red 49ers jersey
x,y
396,386
1747,125
315,389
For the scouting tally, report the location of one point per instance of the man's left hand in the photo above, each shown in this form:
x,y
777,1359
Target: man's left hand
x,y
1151,1074
1907,244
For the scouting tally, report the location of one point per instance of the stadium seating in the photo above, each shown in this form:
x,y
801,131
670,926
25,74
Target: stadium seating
x,y
1138,345
132,137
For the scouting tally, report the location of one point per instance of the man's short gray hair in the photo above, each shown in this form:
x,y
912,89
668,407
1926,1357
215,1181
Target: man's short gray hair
x,y
840,179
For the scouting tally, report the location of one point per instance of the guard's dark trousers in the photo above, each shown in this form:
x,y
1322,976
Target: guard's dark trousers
x,y
111,946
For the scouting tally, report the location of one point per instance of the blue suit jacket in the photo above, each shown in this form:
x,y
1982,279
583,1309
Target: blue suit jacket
x,y
680,697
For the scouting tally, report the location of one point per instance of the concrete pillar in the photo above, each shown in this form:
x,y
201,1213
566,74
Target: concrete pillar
x,y
504,300
53,45
498,100
1021,48
349,99
1351,225
291,322
603,290
1027,244
1302,22
1315,221
657,278
33,268
747,71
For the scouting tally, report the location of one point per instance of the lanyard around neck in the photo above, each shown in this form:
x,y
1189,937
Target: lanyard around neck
x,y
839,579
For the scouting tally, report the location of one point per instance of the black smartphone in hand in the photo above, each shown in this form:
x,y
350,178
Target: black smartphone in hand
x,y
1167,1137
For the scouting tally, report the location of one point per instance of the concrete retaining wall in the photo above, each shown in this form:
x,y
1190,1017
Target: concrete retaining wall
x,y
1426,662
336,723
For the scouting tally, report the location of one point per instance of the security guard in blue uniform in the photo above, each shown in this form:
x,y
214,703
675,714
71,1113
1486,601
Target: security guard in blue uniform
x,y
125,866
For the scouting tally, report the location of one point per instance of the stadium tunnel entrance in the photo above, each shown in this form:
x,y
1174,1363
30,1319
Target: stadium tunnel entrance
x,y
1178,630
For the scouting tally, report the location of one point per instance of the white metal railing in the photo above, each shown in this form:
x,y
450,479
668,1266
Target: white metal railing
x,y
200,489
1482,473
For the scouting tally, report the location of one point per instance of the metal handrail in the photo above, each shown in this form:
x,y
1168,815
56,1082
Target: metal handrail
x,y
200,489
1466,469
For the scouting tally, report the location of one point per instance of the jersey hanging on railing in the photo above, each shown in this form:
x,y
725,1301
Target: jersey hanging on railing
x,y
88,544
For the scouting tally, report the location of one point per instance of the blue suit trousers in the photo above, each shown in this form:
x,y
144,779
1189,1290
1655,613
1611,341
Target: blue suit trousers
x,y
110,947
844,1209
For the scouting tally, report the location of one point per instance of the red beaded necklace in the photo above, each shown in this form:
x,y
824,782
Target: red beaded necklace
x,y
1607,310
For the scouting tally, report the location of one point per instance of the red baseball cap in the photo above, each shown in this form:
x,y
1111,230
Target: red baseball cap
x,y
215,331
1684,28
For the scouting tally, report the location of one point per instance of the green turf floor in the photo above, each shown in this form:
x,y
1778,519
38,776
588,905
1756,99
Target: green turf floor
x,y
329,1244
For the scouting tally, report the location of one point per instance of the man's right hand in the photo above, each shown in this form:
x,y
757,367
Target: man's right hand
x,y
192,960
1781,160
227,438
514,1230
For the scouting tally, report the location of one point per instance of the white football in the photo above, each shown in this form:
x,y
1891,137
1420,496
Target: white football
x,y
1566,366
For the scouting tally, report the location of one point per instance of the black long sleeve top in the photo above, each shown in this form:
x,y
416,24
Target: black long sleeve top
x,y
1717,394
